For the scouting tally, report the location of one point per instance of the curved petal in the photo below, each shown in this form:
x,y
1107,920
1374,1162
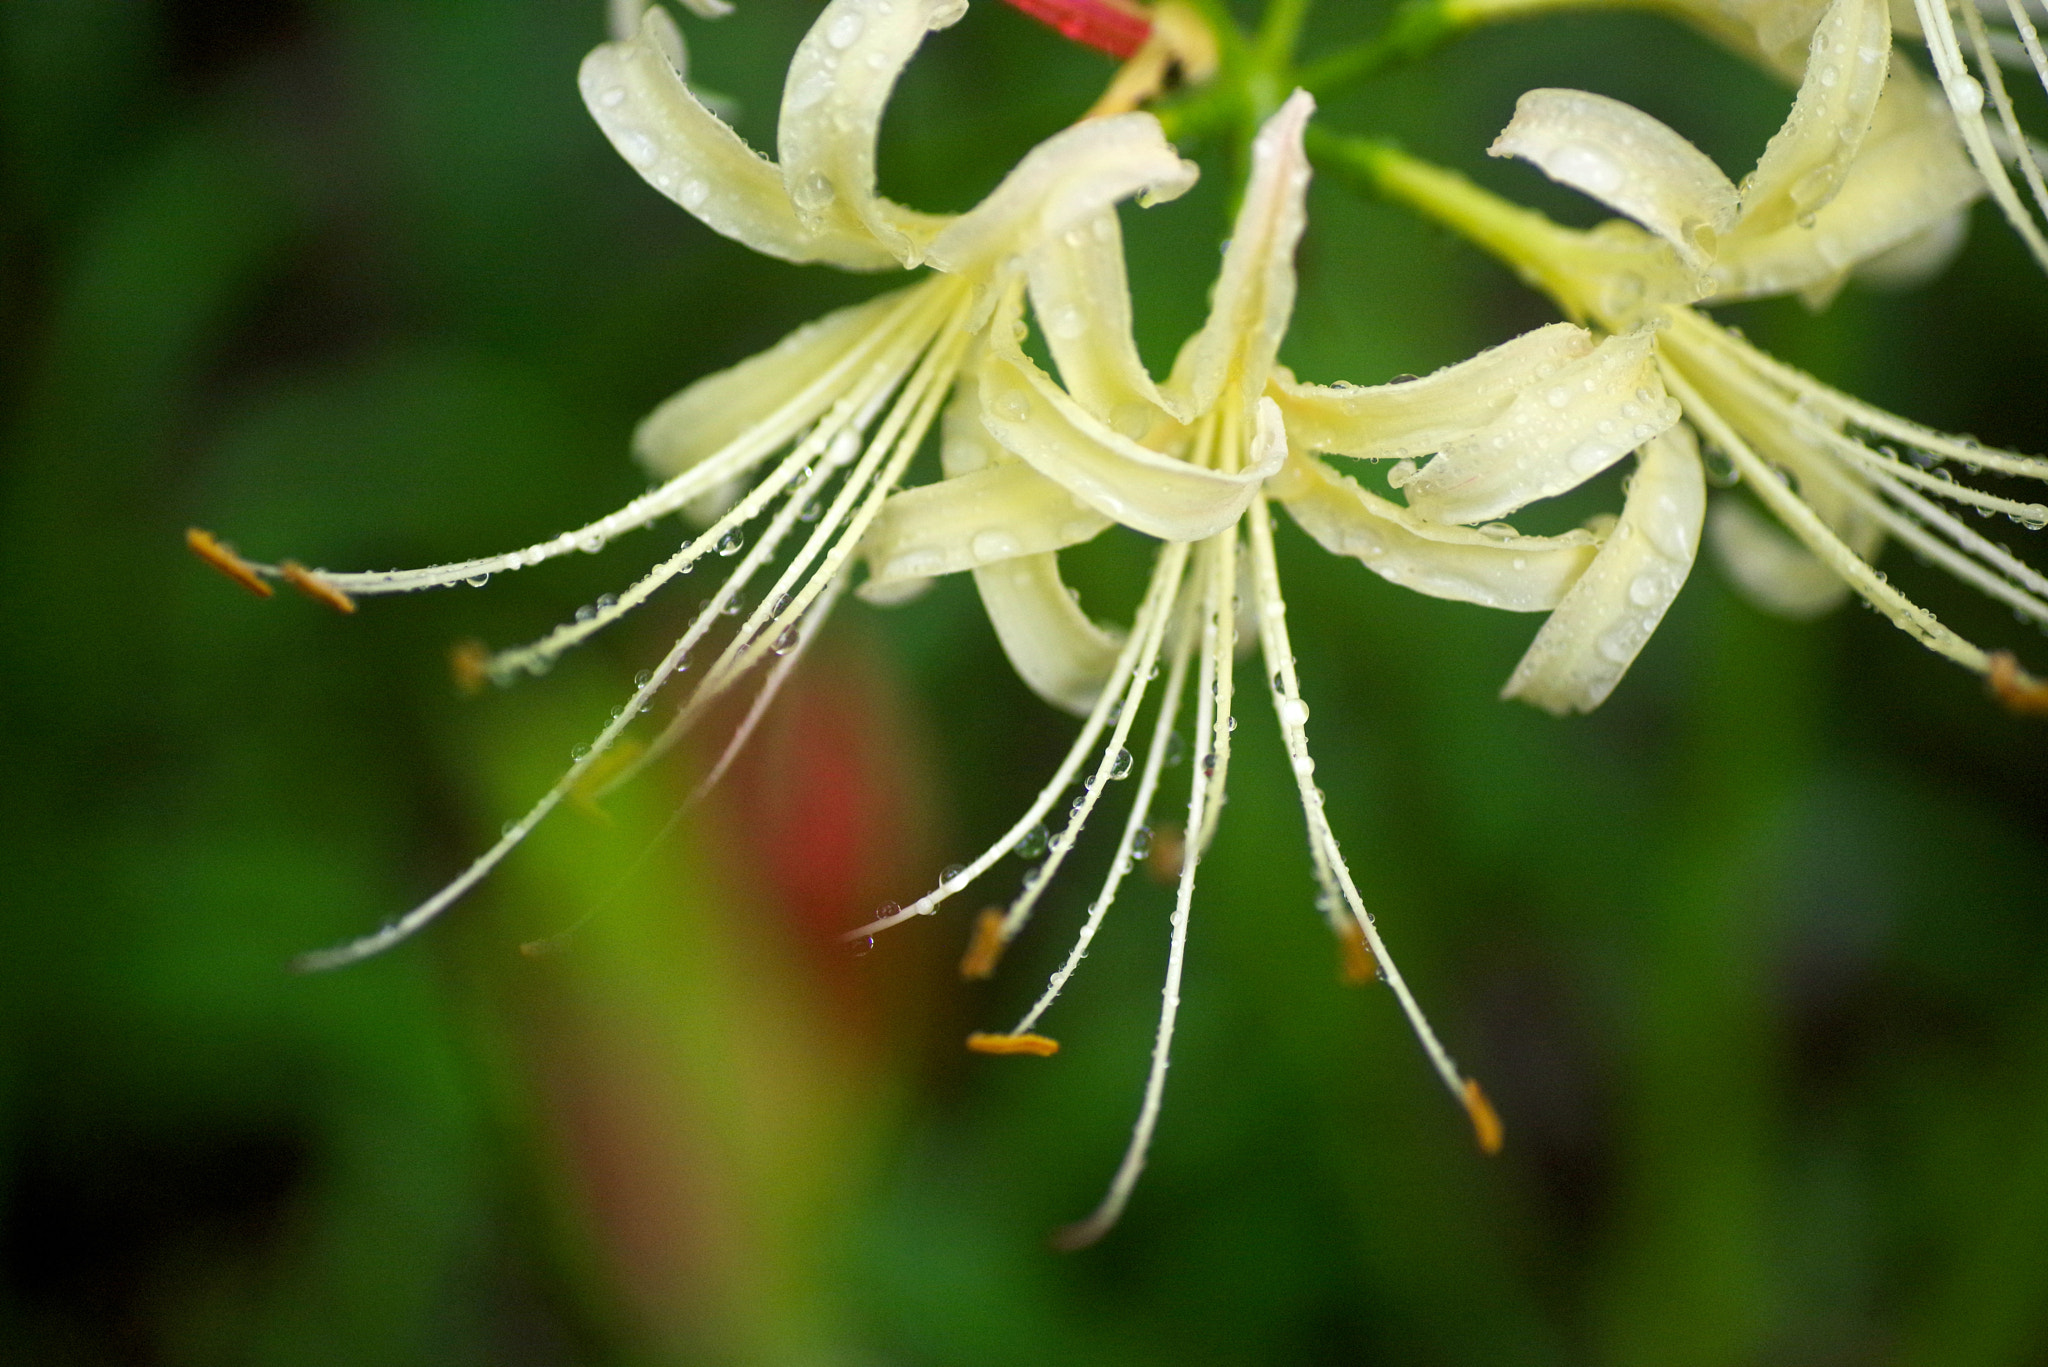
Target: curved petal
x,y
1595,634
1055,649
839,81
1552,437
1769,568
1254,297
683,150
996,513
1806,159
1513,573
792,382
1627,160
1082,298
1061,184
1157,494
1911,179
1417,417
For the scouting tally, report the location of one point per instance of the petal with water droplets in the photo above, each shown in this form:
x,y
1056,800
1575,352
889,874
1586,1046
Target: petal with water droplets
x,y
1596,632
1627,160
832,100
1554,436
1804,164
1254,297
683,150
1417,417
1510,572
996,513
1055,649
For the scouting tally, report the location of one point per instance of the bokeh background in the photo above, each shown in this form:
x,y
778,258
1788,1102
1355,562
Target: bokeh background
x,y
1754,961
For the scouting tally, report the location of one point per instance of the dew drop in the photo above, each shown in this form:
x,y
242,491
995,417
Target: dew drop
x,y
730,543
1120,764
477,581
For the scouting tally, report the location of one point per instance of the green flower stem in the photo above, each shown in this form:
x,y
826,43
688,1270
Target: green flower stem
x,y
1418,28
1546,255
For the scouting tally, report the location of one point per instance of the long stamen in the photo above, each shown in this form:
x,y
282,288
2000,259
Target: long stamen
x,y
1804,523
1994,81
897,440
764,698
1212,717
1293,715
1151,626
1062,777
1141,804
1966,99
730,461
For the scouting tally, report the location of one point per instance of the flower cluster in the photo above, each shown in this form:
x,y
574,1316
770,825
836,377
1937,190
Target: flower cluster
x,y
792,464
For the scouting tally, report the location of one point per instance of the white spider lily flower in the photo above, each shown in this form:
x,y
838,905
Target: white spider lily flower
x,y
793,451
1864,165
1824,464
1033,465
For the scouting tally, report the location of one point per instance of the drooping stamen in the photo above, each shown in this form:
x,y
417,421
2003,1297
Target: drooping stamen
x,y
1808,526
1150,627
1293,715
222,557
1141,804
1966,99
1032,820
1212,729
1109,26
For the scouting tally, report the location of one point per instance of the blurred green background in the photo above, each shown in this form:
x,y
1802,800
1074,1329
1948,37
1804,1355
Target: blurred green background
x,y
1754,961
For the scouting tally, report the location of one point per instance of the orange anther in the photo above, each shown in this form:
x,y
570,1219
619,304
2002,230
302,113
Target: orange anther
x,y
1485,1120
1357,964
1169,847
470,663
314,587
2020,691
985,947
1013,1044
214,552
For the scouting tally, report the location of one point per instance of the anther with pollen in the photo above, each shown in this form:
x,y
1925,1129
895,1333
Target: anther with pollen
x,y
470,662
222,557
1356,964
314,587
1485,1120
1037,1045
985,948
2019,691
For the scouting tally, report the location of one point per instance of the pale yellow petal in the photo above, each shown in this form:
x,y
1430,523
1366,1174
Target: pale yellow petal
x,y
996,513
1805,162
1908,185
1596,632
1064,183
1770,568
683,150
1627,160
1056,650
1420,416
791,382
1510,572
1554,436
832,101
1158,494
1254,297
1082,299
